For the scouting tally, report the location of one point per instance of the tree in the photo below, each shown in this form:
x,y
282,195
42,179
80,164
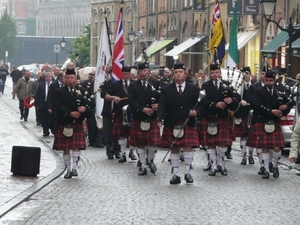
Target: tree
x,y
8,33
81,47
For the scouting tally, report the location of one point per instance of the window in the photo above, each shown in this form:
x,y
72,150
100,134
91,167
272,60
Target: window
x,y
21,28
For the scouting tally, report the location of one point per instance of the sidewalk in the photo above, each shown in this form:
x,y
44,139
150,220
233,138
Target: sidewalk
x,y
15,189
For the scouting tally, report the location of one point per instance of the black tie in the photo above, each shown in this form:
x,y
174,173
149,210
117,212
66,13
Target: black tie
x,y
270,91
144,85
71,91
179,90
126,85
248,85
216,85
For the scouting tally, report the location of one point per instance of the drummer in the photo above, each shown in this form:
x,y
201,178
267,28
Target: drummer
x,y
118,93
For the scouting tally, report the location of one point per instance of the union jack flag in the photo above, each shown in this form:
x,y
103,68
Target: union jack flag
x,y
118,56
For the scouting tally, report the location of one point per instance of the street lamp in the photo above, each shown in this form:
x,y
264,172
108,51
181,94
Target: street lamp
x,y
6,55
268,8
63,45
131,35
110,33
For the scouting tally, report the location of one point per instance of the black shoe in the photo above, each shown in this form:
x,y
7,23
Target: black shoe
x,y
266,175
251,159
45,135
181,158
208,167
212,173
271,167
261,171
68,175
224,172
110,157
138,164
131,155
117,156
25,119
275,172
175,180
74,173
123,158
244,161
228,155
169,160
188,178
21,117
152,167
142,171
218,169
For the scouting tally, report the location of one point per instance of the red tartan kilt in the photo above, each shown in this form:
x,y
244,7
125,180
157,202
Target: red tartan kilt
x,y
144,138
190,138
266,140
223,137
241,130
251,136
119,130
65,143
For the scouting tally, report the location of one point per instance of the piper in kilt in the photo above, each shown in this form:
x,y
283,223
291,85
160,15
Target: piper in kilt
x,y
176,104
118,92
240,119
215,128
143,101
269,107
71,108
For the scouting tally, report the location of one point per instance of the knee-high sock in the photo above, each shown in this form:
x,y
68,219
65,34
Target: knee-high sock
x,y
75,156
271,155
221,154
175,163
151,153
122,144
244,148
212,156
266,158
142,156
67,160
188,159
250,150
259,152
276,157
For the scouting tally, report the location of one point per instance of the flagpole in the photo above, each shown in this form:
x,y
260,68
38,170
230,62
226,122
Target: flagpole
x,y
107,29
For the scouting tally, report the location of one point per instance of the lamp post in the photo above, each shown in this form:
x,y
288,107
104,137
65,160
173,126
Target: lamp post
x,y
6,55
268,8
131,36
63,45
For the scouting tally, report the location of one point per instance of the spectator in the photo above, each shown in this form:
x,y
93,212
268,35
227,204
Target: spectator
x,y
3,75
15,75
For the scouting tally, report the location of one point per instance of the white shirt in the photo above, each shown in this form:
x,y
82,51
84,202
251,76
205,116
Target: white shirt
x,y
182,86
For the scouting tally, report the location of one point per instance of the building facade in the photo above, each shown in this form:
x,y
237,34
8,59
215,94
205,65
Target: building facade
x,y
62,18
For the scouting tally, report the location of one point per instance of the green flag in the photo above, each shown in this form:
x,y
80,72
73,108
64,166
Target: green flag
x,y
233,52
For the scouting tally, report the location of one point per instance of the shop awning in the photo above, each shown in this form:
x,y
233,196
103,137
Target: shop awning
x,y
155,47
184,46
278,41
296,44
243,38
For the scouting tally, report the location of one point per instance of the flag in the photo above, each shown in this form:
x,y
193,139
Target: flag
x,y
104,56
118,56
233,52
217,36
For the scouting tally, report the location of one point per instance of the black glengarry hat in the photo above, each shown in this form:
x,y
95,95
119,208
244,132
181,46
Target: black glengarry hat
x,y
142,66
214,66
126,69
270,74
70,71
179,66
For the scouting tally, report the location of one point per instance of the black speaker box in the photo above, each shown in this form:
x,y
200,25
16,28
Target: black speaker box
x,y
25,161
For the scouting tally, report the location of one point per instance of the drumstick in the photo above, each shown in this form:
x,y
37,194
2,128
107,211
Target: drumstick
x,y
123,98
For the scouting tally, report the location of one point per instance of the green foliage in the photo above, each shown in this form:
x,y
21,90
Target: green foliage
x,y
81,46
8,33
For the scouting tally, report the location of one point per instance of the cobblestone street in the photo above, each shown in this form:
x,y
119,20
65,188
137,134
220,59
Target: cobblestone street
x,y
107,192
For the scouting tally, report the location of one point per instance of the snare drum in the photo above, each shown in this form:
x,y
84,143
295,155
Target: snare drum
x,y
127,115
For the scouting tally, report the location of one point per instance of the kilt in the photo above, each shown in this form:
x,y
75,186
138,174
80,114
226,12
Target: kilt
x,y
119,130
251,136
223,137
144,138
76,141
190,138
241,130
267,140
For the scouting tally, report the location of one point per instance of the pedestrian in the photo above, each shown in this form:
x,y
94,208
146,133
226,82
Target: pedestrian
x,y
295,142
144,133
176,104
41,103
39,79
268,110
15,75
24,91
3,74
216,134
71,111
118,93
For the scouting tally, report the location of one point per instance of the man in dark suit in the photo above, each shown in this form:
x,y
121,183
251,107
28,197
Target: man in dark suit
x,y
51,97
143,101
41,103
176,104
72,108
268,108
215,123
118,92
